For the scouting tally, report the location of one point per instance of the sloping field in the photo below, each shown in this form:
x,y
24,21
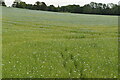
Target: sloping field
x,y
39,44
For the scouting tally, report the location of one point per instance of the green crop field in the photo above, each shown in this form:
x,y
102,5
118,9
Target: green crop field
x,y
41,44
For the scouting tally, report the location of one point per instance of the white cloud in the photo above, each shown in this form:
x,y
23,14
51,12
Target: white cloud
x,y
65,2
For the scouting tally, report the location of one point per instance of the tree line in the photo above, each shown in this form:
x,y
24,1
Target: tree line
x,y
92,8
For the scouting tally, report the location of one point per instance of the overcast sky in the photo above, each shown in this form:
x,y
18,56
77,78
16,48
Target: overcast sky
x,y
65,2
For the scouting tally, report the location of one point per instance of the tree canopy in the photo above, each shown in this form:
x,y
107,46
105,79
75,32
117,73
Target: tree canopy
x,y
92,8
2,3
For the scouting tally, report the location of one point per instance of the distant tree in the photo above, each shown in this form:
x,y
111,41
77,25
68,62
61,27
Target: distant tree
x,y
19,5
51,8
119,8
93,5
16,3
92,8
22,5
63,9
2,3
58,8
115,10
43,6
29,6
37,5
40,6
72,8
87,9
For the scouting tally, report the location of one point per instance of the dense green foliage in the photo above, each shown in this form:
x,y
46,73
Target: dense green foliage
x,y
41,44
92,8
